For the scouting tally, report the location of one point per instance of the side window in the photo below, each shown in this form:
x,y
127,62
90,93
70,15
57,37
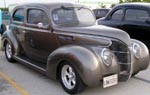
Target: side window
x,y
117,15
136,15
36,16
18,15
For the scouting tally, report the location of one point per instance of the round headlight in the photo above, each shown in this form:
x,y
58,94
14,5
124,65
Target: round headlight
x,y
136,50
106,55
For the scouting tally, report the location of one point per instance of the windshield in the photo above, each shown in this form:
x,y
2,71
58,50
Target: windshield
x,y
69,16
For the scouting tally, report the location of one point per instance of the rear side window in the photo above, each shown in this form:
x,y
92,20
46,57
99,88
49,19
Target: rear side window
x,y
36,16
117,15
136,15
18,15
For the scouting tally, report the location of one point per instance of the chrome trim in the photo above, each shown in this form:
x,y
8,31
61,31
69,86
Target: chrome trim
x,y
134,51
84,35
29,28
28,63
68,77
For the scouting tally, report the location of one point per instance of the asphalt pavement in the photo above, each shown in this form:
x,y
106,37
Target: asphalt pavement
x,y
17,79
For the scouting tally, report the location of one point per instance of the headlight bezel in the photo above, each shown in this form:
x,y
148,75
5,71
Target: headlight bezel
x,y
136,50
107,57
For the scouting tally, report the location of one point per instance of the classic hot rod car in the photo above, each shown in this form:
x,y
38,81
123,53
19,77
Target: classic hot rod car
x,y
62,41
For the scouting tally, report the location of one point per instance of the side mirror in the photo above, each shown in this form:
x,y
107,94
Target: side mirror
x,y
2,28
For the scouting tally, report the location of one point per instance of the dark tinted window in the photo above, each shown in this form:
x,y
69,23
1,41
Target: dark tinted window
x,y
102,13
136,15
117,15
19,15
36,16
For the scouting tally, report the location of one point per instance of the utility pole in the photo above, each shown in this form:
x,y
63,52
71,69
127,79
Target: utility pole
x,y
5,3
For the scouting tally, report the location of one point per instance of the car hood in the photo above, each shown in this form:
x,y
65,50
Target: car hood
x,y
98,30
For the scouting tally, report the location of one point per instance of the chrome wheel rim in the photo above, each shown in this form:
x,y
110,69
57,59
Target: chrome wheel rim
x,y
8,50
68,77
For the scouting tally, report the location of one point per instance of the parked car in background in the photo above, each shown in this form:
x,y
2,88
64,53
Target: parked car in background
x,y
2,26
101,12
62,41
134,18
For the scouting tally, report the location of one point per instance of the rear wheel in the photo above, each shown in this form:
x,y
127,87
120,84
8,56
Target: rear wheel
x,y
9,52
70,79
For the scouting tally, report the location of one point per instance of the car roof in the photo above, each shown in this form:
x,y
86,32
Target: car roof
x,y
137,4
51,5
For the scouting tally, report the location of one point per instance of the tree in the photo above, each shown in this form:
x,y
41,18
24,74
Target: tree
x,y
121,1
135,0
4,9
112,5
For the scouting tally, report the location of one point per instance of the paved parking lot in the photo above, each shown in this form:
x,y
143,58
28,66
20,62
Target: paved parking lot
x,y
17,79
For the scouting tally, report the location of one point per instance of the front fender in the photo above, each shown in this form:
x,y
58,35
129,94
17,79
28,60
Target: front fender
x,y
143,62
84,61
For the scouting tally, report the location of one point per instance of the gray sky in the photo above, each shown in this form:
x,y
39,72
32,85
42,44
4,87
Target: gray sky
x,y
8,2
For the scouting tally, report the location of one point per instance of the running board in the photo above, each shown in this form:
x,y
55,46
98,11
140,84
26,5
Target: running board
x,y
31,65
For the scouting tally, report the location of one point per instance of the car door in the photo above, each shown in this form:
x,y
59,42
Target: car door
x,y
39,40
135,24
114,19
17,24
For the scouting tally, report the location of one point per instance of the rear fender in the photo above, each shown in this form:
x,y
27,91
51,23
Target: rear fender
x,y
10,37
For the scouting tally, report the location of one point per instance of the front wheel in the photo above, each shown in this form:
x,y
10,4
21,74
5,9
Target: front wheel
x,y
70,79
9,52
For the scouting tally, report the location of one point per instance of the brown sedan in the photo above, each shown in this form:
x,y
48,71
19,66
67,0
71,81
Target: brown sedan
x,y
62,41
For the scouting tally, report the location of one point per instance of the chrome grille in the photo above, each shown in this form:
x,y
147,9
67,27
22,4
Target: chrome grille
x,y
121,51
123,57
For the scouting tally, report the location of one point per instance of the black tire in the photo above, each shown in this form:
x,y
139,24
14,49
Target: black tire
x,y
78,87
9,52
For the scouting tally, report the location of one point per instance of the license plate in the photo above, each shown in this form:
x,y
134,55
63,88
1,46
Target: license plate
x,y
110,80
